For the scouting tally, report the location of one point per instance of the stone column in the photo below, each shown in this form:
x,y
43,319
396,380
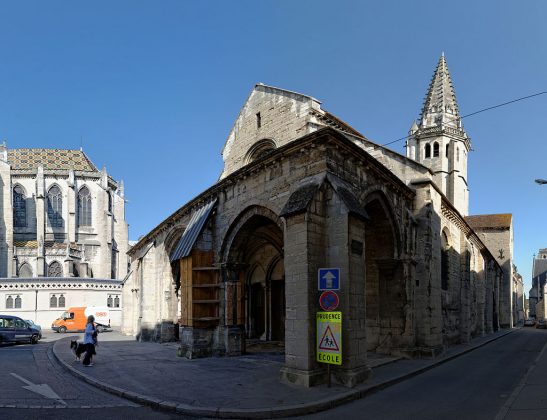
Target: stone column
x,y
427,288
465,306
40,222
489,306
6,229
71,208
303,253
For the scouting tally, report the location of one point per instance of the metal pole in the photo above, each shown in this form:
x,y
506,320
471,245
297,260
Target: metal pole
x,y
36,307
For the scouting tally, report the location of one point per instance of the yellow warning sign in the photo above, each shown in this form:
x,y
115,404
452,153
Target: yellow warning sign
x,y
329,337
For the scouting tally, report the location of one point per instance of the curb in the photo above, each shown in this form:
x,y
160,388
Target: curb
x,y
267,412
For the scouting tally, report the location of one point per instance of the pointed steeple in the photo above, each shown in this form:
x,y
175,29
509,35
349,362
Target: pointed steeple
x,y
440,106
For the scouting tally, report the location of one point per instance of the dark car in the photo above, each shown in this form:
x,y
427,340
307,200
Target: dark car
x,y
541,324
13,330
31,324
530,322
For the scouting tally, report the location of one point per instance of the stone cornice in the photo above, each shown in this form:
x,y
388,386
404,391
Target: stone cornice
x,y
450,213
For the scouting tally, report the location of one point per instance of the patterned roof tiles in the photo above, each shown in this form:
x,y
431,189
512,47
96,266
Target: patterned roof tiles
x,y
50,159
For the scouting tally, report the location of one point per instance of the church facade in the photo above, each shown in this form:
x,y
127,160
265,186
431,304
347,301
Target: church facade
x,y
64,235
301,190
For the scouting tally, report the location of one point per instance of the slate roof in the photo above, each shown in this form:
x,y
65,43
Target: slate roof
x,y
50,159
440,94
497,221
192,231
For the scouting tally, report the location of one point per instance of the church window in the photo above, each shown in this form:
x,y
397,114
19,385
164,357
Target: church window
x,y
258,120
109,301
445,259
114,263
458,154
117,301
25,271
435,149
55,269
446,150
19,207
61,301
84,207
109,202
427,150
17,302
55,207
53,301
9,302
260,149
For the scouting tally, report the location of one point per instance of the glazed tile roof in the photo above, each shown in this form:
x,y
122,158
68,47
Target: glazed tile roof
x,y
50,159
502,220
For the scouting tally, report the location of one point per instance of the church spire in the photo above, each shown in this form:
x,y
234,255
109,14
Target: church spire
x,y
440,106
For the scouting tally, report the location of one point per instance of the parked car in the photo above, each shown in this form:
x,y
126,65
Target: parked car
x,y
31,324
13,329
541,324
530,322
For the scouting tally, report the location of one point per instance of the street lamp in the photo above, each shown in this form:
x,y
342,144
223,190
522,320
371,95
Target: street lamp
x,y
541,181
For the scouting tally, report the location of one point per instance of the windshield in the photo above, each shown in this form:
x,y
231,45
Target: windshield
x,y
64,315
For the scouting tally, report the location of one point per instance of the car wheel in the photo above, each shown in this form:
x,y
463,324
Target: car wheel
x,y
100,328
34,339
62,330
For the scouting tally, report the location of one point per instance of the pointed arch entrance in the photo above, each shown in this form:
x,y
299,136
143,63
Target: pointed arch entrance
x,y
254,254
385,287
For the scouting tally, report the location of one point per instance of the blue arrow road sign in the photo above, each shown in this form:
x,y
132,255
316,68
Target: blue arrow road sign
x,y
329,279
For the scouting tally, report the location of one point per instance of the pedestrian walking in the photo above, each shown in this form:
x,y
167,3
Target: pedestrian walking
x,y
90,339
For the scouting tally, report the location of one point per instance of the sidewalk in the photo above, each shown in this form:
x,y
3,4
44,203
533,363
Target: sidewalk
x,y
228,387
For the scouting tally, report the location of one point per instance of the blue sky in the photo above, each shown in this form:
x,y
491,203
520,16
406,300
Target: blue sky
x,y
152,88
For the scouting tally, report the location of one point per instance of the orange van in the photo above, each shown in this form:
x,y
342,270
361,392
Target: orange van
x,y
75,319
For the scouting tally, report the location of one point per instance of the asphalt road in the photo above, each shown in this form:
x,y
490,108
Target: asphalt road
x,y
473,386
34,386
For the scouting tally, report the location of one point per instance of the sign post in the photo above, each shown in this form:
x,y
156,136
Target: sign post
x,y
329,339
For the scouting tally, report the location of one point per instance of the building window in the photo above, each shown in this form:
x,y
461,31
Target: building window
x,y
428,150
114,263
435,149
447,150
53,301
19,207
25,271
258,120
113,301
109,202
457,154
260,149
55,269
445,261
61,301
17,302
55,207
84,207
9,302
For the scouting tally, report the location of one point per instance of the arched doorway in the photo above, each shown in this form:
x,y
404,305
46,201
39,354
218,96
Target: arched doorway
x,y
385,288
256,250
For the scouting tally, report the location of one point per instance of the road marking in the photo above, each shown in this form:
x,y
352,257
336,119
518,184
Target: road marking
x,y
42,389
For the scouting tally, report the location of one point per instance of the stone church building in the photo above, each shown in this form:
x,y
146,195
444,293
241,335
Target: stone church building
x,y
300,190
62,222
